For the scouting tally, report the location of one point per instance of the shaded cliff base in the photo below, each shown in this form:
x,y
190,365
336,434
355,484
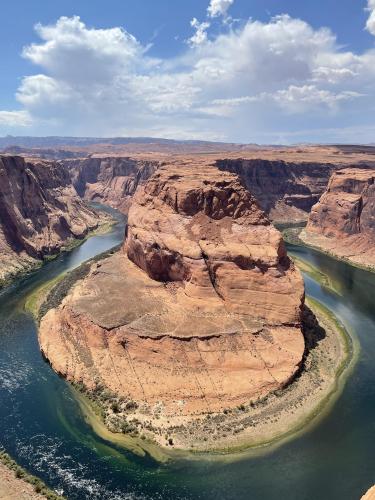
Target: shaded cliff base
x,y
17,484
330,352
328,246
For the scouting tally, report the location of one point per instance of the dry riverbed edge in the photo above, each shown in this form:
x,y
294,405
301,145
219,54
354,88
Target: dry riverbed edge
x,y
255,424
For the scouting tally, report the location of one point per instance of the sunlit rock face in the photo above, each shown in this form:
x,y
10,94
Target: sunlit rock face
x,y
343,221
200,311
110,180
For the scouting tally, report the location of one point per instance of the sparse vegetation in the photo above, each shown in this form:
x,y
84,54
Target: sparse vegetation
x,y
21,473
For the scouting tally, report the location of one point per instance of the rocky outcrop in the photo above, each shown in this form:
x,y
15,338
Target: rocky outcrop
x,y
286,191
39,213
200,312
110,180
343,221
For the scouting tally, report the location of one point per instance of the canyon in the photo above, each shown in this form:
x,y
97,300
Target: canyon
x,y
285,190
40,214
287,182
200,312
110,180
343,221
195,333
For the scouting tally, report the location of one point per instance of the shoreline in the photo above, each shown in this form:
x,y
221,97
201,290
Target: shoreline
x,y
15,480
259,425
13,477
32,265
280,417
291,235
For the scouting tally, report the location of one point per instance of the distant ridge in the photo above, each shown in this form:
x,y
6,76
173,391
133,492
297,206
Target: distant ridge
x,y
57,141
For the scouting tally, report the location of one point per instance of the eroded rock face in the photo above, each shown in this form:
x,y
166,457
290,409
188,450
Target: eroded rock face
x,y
109,180
201,310
203,228
39,213
343,221
286,191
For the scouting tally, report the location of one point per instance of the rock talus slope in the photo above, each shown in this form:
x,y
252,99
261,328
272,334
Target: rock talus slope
x,y
39,213
200,311
343,221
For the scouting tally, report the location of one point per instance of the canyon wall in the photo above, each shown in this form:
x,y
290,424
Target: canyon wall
x,y
343,221
109,180
199,312
286,191
40,212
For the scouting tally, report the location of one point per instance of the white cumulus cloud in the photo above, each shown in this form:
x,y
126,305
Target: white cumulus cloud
x,y
200,35
15,119
219,7
242,84
370,25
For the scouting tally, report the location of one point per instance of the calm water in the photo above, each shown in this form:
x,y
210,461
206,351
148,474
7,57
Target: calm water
x,y
42,428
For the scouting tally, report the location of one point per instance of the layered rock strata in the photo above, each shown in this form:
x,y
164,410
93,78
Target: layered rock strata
x,y
40,213
110,180
201,311
343,221
286,191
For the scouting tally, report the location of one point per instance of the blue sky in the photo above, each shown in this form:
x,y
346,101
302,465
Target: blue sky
x,y
236,73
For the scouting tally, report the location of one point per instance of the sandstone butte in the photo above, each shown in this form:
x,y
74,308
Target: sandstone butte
x,y
40,212
343,221
200,311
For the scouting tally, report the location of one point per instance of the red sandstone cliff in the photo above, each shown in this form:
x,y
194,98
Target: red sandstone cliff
x,y
200,312
343,221
39,213
109,180
285,190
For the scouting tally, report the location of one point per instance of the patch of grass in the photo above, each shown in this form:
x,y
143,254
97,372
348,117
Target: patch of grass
x,y
38,296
